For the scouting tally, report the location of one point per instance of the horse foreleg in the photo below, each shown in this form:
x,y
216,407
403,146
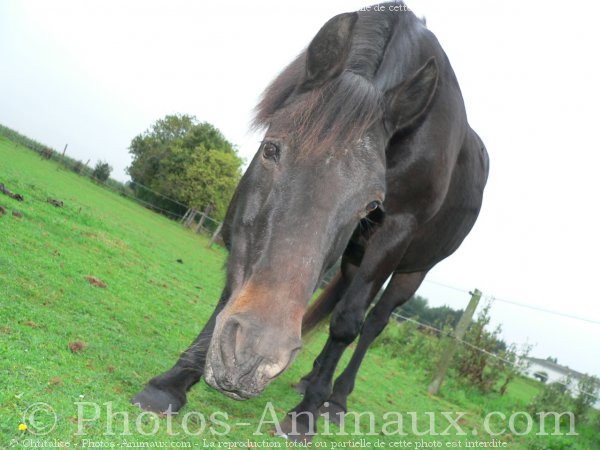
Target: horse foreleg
x,y
166,393
311,376
300,422
398,291
331,295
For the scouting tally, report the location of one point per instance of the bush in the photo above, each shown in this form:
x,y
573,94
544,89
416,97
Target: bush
x,y
102,171
396,337
409,344
553,397
587,389
78,167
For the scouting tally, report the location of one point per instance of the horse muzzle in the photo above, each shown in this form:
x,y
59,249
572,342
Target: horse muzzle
x,y
245,356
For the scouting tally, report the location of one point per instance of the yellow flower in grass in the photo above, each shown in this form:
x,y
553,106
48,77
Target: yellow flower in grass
x,y
22,427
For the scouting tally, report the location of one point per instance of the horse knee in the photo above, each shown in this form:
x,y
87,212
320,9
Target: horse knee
x,y
345,325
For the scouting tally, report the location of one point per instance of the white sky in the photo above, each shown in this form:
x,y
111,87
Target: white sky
x,y
94,74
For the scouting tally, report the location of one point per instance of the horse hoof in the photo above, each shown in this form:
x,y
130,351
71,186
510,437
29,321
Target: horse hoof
x,y
157,400
333,412
301,386
295,431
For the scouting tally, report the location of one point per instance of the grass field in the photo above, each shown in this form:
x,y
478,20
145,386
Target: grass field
x,y
69,345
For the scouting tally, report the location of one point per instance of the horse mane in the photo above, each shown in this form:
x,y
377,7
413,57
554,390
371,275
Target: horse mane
x,y
340,111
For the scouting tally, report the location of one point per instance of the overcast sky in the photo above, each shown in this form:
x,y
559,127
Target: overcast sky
x,y
94,74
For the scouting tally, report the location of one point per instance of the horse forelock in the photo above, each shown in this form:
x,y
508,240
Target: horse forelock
x,y
330,117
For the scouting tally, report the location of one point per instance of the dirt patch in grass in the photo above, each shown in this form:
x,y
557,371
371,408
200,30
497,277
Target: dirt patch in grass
x,y
97,282
76,346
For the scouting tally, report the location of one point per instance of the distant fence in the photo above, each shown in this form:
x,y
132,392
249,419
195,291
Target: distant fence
x,y
201,222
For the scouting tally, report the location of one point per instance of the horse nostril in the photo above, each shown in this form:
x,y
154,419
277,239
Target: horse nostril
x,y
228,342
275,368
295,352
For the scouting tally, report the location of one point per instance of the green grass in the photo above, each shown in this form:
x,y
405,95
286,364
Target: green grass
x,y
150,311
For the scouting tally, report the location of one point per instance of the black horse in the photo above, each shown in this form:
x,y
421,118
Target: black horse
x,y
367,155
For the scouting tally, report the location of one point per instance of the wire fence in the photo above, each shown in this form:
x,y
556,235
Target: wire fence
x,y
200,221
450,334
193,218
203,223
521,304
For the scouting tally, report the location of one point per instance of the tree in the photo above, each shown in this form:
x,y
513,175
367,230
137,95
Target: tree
x,y
439,316
188,161
200,177
102,171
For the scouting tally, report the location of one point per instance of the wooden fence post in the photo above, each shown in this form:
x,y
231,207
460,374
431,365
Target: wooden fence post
x,y
200,222
204,215
458,334
65,149
185,216
191,218
215,234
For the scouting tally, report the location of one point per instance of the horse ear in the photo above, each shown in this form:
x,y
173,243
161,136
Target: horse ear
x,y
327,53
407,103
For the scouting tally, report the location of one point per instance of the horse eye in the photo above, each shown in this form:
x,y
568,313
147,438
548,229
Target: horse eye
x,y
372,206
270,151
